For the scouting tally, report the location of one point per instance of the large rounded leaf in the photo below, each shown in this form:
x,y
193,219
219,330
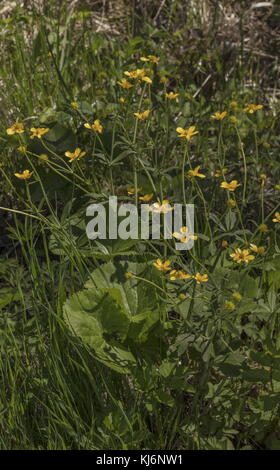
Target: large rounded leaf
x,y
99,318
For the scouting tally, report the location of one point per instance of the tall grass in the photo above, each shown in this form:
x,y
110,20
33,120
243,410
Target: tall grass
x,y
55,393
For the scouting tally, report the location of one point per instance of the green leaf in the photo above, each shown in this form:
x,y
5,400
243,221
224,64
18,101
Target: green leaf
x,y
256,375
8,295
93,314
137,295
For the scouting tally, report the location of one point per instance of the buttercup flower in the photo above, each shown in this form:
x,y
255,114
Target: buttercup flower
x,y
221,172
257,249
161,208
133,190
74,105
277,218
224,244
219,116
124,83
171,95
230,186
143,115
236,296
183,296
277,187
139,74
231,203
22,148
187,133
263,179
25,175
251,108
163,80
263,228
150,58
162,265
38,132
129,275
43,156
200,278
96,126
195,173
184,236
241,256
233,104
229,305
146,197
76,155
146,79
233,119
174,275
121,100
16,128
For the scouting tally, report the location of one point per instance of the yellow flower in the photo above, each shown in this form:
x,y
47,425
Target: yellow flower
x,y
195,173
124,83
16,128
146,197
129,275
182,296
43,156
133,190
76,155
38,132
146,79
233,119
221,172
219,116
143,115
263,179
163,80
184,236
171,95
121,100
251,108
231,203
162,265
150,58
25,175
187,133
229,305
224,244
241,256
257,249
277,218
230,186
233,104
277,187
161,208
236,296
200,278
139,74
74,105
96,126
174,275
263,228
22,148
